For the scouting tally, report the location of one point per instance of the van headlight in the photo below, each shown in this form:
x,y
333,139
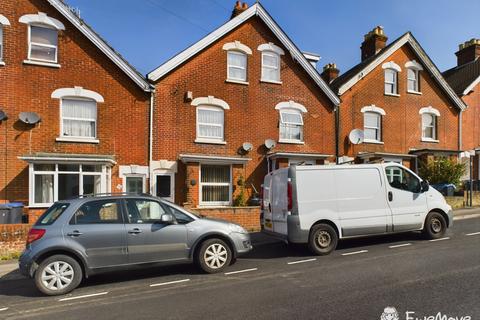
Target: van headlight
x,y
236,228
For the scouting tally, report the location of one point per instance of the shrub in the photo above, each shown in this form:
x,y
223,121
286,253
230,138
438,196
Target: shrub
x,y
442,170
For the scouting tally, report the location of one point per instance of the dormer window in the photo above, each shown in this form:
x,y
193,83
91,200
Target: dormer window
x,y
237,61
391,78
271,62
42,38
413,76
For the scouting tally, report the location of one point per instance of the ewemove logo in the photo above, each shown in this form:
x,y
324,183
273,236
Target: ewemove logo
x,y
390,313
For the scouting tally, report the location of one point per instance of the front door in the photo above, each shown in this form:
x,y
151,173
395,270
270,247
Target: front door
x,y
98,230
407,203
150,240
164,186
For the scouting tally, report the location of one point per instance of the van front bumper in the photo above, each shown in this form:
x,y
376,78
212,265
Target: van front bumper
x,y
450,218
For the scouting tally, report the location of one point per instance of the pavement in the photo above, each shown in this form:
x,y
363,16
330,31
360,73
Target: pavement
x,y
357,281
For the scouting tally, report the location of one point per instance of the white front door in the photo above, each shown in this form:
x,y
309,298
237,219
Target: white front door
x,y
407,203
164,186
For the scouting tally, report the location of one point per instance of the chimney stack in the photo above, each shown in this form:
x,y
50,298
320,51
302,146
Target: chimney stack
x,y
468,51
330,72
373,42
239,8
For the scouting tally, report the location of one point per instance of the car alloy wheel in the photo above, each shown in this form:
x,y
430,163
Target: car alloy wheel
x,y
215,256
57,275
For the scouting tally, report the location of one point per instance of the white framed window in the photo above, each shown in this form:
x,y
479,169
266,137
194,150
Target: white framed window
x,y
270,66
429,126
51,182
413,80
291,126
3,22
236,66
372,126
135,183
210,123
78,118
42,43
391,81
215,185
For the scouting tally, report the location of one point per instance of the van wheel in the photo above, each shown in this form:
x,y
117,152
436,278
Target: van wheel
x,y
213,256
58,274
435,226
323,239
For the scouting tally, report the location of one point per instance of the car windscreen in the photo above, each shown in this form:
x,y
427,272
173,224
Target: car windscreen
x,y
52,214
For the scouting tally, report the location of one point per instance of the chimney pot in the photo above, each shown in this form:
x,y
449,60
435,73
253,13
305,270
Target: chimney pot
x,y
468,51
238,9
373,42
330,72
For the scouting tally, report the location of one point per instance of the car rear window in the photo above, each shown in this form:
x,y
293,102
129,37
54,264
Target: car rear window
x,y
52,214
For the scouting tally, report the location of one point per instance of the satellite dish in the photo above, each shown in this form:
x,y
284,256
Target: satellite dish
x,y
270,144
356,136
29,117
247,146
3,115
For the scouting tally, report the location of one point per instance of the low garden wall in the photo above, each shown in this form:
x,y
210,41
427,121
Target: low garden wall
x,y
247,217
12,239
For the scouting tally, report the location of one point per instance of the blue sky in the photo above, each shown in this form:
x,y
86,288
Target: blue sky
x,y
149,32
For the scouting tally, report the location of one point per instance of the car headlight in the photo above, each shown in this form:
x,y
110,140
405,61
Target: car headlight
x,y
236,228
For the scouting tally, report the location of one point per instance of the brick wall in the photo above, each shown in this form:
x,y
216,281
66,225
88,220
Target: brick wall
x,y
402,126
252,116
471,120
12,238
122,119
247,217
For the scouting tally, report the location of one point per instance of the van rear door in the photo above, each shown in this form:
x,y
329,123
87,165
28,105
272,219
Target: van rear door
x,y
279,201
267,220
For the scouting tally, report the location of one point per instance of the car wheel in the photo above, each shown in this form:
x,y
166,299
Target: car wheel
x,y
58,274
323,239
435,226
214,255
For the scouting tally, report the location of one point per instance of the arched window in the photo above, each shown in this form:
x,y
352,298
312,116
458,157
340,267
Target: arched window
x,y
210,119
413,76
78,113
429,123
42,37
372,123
291,122
271,62
237,60
3,22
391,77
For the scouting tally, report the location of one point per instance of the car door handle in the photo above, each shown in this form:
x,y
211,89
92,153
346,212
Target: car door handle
x,y
135,231
74,233
390,196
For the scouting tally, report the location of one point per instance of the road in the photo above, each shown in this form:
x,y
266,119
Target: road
x,y
278,281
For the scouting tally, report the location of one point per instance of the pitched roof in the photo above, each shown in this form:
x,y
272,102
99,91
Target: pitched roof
x,y
255,10
464,78
344,82
116,58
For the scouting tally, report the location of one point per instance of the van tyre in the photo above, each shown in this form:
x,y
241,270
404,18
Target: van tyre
x,y
435,226
58,274
323,239
213,256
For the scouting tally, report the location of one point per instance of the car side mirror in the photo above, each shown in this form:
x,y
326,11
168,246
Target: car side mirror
x,y
425,186
166,218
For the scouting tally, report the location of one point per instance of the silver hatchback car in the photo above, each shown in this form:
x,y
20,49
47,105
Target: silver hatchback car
x,y
76,238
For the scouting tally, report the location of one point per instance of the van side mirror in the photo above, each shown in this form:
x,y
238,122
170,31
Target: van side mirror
x,y
166,218
425,185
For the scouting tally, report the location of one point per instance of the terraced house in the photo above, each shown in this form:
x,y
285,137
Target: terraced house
x,y
400,100
69,106
239,102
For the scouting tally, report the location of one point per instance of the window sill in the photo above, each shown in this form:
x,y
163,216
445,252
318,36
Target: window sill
x,y
246,83
2,63
373,141
430,140
392,94
207,141
77,140
271,81
415,92
41,63
39,206
291,141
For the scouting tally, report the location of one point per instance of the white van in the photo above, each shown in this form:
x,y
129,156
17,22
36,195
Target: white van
x,y
320,204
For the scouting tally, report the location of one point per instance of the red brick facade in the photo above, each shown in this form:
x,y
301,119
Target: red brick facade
x,y
122,119
251,118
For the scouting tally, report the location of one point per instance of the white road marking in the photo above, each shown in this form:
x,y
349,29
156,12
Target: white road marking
x,y
167,283
240,271
302,261
440,239
473,234
84,296
3,309
468,216
354,252
400,245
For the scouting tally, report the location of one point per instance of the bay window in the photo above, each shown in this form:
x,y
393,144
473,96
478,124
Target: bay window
x,y
215,184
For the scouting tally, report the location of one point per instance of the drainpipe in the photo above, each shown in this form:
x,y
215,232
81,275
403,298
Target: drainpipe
x,y
460,131
337,133
150,138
